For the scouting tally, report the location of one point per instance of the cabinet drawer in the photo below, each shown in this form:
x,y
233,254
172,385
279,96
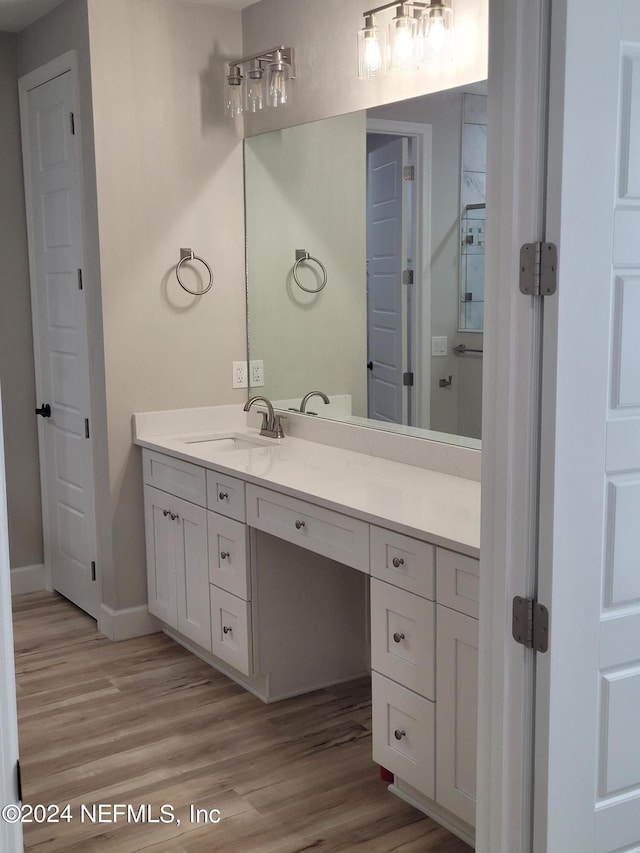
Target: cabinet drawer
x,y
228,549
329,533
403,561
458,581
231,629
403,733
403,637
225,495
179,478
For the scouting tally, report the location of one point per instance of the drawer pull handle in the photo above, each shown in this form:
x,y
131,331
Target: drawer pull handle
x,y
226,629
397,562
397,638
399,734
165,512
224,555
299,524
223,496
174,516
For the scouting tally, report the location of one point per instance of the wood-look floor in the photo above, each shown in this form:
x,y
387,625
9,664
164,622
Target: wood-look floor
x,y
145,722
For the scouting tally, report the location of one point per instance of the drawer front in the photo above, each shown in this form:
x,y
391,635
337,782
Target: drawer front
x,y
403,561
458,581
329,533
403,637
404,733
179,478
226,495
228,550
231,629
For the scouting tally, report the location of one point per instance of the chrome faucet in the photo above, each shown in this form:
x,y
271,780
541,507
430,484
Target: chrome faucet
x,y
271,425
307,397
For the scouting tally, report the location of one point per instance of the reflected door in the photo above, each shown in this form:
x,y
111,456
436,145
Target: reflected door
x,y
62,362
386,309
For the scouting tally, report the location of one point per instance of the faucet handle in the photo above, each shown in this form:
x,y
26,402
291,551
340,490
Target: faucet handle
x,y
265,426
277,430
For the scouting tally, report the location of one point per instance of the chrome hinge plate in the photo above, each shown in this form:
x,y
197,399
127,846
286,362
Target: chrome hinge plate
x,y
407,276
530,624
409,173
538,269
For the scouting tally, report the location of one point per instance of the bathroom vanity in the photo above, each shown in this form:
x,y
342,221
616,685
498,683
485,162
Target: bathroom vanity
x,y
291,565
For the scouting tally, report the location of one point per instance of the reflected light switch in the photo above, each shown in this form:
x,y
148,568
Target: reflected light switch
x,y
439,345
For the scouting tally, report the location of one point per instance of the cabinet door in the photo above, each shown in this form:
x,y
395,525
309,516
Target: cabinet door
x,y
161,538
192,572
228,550
456,712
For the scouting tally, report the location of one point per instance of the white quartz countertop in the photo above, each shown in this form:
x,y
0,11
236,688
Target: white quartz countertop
x,y
440,508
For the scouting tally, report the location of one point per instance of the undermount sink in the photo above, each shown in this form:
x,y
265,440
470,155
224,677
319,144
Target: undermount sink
x,y
228,442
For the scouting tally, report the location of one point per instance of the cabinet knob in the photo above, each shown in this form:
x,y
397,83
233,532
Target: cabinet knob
x,y
299,524
399,734
397,562
224,555
174,516
226,629
165,512
223,496
398,637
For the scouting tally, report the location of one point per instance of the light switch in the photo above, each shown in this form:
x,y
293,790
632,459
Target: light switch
x,y
439,345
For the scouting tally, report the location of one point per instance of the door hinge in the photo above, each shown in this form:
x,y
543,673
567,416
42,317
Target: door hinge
x,y
19,780
72,124
93,570
530,624
538,269
86,428
409,173
79,279
407,378
407,276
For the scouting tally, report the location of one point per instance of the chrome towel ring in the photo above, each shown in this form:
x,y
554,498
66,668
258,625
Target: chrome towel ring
x,y
303,255
187,255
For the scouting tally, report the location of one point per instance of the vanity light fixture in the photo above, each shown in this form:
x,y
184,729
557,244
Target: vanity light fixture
x,y
265,81
419,32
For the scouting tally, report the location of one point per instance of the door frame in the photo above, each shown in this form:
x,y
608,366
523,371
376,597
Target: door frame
x,y
518,63
66,62
420,331
10,833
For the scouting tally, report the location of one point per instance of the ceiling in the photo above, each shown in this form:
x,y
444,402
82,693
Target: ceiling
x,y
15,15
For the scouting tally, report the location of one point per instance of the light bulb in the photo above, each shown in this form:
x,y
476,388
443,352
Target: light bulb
x,y
438,30
437,35
255,96
372,50
278,81
401,31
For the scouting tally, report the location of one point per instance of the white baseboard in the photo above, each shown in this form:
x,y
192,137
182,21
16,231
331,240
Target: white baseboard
x,y
127,623
27,579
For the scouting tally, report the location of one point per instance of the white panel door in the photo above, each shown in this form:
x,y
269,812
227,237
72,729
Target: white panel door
x,y
587,795
386,253
53,187
10,833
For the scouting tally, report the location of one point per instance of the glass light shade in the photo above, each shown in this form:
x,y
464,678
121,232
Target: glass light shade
x,y
255,90
401,39
278,83
439,19
234,100
372,50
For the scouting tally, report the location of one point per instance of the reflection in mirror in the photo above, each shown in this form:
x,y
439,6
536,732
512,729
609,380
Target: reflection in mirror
x,y
381,213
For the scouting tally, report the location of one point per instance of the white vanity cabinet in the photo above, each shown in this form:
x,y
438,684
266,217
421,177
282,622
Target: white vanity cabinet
x,y
424,657
177,564
457,583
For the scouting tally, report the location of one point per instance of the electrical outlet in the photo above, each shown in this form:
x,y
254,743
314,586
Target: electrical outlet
x,y
256,373
239,375
439,345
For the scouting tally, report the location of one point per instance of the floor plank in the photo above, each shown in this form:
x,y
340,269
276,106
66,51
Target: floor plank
x,y
145,723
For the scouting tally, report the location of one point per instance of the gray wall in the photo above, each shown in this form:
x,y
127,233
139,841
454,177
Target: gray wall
x,y
16,343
